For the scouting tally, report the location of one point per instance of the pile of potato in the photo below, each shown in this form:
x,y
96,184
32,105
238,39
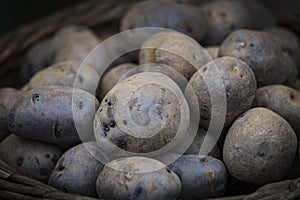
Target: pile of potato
x,y
141,111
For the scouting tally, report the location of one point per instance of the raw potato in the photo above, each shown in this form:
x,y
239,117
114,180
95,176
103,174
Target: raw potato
x,y
77,170
111,78
45,114
213,51
175,50
141,114
261,52
34,159
187,19
133,182
283,100
223,17
64,74
260,147
194,149
239,84
201,176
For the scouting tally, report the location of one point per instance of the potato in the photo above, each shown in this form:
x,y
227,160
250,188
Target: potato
x,y
283,100
184,18
64,74
194,148
142,114
77,170
288,41
111,78
201,176
223,17
260,51
239,84
34,159
141,178
213,51
175,50
260,147
45,114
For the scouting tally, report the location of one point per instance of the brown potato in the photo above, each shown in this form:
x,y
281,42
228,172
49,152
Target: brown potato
x,y
184,18
45,114
34,159
283,100
260,51
175,50
239,82
260,147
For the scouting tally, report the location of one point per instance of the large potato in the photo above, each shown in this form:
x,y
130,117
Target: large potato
x,y
283,100
184,18
45,114
175,50
223,17
34,159
260,147
78,168
201,176
239,85
261,52
64,74
140,178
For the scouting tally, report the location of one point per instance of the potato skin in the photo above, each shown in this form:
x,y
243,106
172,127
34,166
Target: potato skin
x,y
184,18
64,74
261,52
201,176
134,183
213,51
260,147
239,82
45,114
77,170
174,50
223,17
34,159
283,100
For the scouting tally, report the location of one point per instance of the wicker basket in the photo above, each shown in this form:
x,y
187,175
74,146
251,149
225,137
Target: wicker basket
x,y
103,17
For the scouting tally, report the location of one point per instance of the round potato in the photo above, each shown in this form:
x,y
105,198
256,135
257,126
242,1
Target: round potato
x,y
187,19
175,50
283,100
213,51
201,176
134,183
34,159
64,74
223,17
46,114
261,52
260,147
77,170
239,84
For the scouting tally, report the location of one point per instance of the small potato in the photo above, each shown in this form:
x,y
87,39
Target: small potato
x,y
260,147
64,74
140,178
194,149
201,176
283,100
111,78
175,50
77,170
223,17
45,114
184,18
261,52
142,114
213,51
239,85
34,159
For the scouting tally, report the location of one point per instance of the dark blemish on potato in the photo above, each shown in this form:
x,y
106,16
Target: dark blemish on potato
x,y
262,149
125,122
19,160
203,159
105,127
112,124
292,95
105,100
122,144
242,76
37,161
204,69
242,115
80,79
57,131
60,167
43,172
80,105
251,45
109,103
35,98
168,170
47,156
138,191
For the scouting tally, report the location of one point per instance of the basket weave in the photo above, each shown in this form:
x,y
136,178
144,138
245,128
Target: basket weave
x,y
103,17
